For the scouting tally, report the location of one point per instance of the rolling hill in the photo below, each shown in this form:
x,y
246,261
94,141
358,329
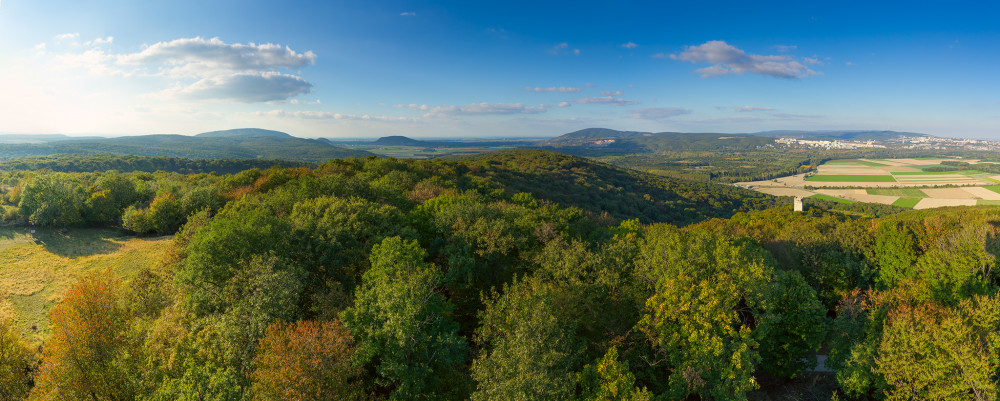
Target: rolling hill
x,y
609,141
231,144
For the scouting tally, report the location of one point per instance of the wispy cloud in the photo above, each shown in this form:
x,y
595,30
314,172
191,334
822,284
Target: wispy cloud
x,y
745,109
326,115
412,106
726,59
610,93
100,41
479,109
408,14
611,100
563,48
785,48
630,45
559,89
68,36
658,113
792,116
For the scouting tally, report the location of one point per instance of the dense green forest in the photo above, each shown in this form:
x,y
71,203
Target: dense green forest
x,y
506,276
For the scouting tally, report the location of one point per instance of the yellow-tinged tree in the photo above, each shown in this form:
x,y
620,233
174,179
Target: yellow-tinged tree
x,y
699,319
16,363
306,361
90,354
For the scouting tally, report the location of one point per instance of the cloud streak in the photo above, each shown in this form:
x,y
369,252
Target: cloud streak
x,y
727,59
559,89
658,113
481,109
611,100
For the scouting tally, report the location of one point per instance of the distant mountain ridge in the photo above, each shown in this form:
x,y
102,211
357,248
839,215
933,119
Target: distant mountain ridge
x,y
850,135
614,141
244,133
244,143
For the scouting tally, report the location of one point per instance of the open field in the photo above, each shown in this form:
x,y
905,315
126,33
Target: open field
x,y
900,182
851,178
35,270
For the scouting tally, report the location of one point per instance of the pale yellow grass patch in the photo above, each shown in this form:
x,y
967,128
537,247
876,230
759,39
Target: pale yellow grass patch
x,y
901,169
982,193
948,193
838,170
929,203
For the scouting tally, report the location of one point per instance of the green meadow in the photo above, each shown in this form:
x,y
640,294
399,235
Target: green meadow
x,y
35,270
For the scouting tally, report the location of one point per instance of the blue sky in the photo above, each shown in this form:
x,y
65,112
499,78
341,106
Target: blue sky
x,y
470,68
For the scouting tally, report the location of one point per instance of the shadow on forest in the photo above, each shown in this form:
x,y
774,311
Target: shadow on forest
x,y
73,243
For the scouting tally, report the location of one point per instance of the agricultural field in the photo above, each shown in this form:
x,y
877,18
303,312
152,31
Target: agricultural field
x,y
918,183
36,269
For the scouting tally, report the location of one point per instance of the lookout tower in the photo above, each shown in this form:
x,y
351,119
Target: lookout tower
x,y
797,204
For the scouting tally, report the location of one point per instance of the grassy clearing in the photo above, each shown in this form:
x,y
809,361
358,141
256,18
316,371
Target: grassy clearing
x,y
906,202
982,202
35,270
904,192
831,198
994,188
990,180
851,178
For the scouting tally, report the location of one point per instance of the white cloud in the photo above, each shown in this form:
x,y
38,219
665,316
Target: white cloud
x,y
848,63
610,93
408,14
297,101
95,61
728,59
100,41
246,87
744,109
658,113
784,48
196,56
812,60
614,101
478,109
629,45
68,36
563,104
202,69
560,89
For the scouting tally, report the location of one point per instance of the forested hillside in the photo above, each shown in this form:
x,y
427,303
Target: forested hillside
x,y
503,276
231,145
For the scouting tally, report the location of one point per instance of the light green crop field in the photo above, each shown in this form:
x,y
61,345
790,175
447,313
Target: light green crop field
x,y
906,202
856,162
904,192
831,198
851,178
994,188
35,270
982,202
962,172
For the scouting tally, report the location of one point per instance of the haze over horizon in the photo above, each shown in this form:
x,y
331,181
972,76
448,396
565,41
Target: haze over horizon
x,y
465,69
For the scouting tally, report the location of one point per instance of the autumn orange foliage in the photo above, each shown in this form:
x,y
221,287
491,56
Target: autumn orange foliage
x,y
306,361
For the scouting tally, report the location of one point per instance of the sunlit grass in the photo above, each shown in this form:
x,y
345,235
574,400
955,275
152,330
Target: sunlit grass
x,y
35,270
